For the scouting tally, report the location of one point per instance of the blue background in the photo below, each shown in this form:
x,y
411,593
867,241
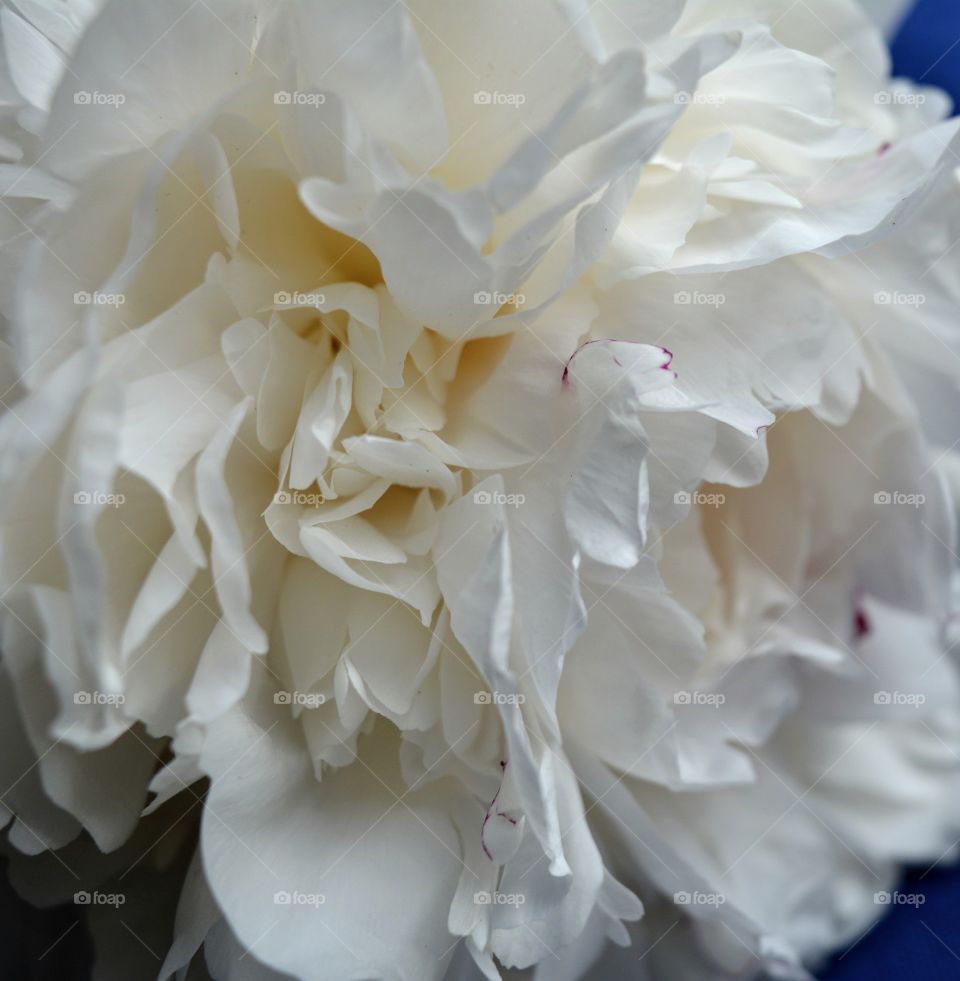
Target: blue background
x,y
912,943
927,46
921,943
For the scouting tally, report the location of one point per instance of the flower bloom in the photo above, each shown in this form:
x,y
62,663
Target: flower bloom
x,y
476,487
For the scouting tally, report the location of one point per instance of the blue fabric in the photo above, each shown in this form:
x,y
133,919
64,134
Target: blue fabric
x,y
917,941
927,46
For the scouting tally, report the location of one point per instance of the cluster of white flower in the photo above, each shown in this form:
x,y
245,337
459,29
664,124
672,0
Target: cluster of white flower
x,y
470,473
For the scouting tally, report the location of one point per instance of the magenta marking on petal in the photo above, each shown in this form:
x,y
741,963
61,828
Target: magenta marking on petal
x,y
490,813
565,377
884,148
666,364
861,620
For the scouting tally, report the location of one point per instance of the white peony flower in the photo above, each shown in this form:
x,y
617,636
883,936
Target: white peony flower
x,y
477,499
887,13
